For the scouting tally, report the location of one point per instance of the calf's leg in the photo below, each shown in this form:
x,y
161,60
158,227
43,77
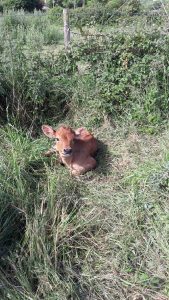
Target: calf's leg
x,y
89,164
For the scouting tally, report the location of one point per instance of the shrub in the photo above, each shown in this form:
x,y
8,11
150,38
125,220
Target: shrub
x,y
50,3
93,15
28,5
107,14
156,5
52,35
1,8
132,7
68,3
115,4
55,14
127,74
11,20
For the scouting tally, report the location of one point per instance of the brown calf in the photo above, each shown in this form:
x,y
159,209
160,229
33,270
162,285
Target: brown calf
x,y
76,148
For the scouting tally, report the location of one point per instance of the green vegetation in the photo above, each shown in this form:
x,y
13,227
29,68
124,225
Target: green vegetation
x,y
103,235
28,5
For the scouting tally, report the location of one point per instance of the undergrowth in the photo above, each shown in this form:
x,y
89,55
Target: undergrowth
x,y
122,73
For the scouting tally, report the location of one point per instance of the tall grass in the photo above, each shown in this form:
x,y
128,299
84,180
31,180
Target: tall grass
x,y
27,73
61,227
103,236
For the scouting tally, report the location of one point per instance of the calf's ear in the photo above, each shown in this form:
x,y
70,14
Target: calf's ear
x,y
48,131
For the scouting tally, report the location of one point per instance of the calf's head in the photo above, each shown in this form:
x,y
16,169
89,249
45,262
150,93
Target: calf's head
x,y
64,139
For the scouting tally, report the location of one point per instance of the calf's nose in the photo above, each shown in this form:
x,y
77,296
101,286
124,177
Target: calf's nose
x,y
67,151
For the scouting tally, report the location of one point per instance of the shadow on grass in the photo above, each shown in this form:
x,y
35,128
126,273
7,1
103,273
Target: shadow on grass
x,y
103,157
35,171
12,228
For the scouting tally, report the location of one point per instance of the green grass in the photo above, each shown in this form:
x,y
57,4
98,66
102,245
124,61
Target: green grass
x,y
102,236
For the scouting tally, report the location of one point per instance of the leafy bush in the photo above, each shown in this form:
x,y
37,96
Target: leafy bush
x,y
105,14
49,3
1,8
52,35
132,7
28,5
115,4
128,74
94,15
55,14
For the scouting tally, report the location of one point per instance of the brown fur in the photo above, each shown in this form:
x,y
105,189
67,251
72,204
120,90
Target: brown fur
x,y
82,144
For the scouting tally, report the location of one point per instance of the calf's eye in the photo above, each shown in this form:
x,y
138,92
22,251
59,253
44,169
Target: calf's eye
x,y
57,140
